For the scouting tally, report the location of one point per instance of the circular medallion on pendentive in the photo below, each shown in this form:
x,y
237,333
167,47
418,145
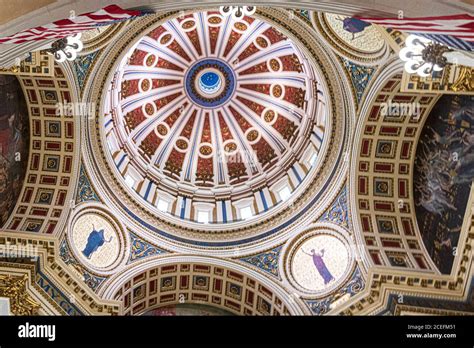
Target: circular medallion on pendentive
x,y
319,260
96,240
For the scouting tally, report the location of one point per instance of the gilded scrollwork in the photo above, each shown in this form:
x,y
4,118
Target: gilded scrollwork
x,y
15,288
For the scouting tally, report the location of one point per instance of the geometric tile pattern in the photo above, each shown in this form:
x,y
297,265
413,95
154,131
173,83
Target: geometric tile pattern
x,y
85,191
360,76
267,261
141,249
338,213
355,285
82,65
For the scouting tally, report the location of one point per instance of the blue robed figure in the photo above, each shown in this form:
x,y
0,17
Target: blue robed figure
x,y
95,240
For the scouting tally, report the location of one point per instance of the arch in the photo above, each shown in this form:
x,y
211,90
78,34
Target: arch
x,y
54,152
381,187
198,279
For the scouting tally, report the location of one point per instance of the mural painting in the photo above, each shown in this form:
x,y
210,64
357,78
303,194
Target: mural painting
x,y
14,143
444,170
190,309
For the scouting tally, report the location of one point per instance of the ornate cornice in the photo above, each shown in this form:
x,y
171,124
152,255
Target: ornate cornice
x,y
45,259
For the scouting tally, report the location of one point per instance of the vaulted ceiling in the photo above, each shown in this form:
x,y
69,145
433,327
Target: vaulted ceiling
x,y
243,164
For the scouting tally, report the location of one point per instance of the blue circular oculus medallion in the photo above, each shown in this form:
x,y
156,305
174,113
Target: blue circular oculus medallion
x,y
210,82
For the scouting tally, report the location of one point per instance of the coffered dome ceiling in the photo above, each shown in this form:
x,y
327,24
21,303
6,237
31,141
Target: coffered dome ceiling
x,y
203,83
217,111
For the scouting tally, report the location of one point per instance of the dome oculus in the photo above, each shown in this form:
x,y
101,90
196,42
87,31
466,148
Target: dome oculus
x,y
209,83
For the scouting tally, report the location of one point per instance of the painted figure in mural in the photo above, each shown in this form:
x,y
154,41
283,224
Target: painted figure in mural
x,y
95,240
464,113
444,172
353,25
320,265
14,143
